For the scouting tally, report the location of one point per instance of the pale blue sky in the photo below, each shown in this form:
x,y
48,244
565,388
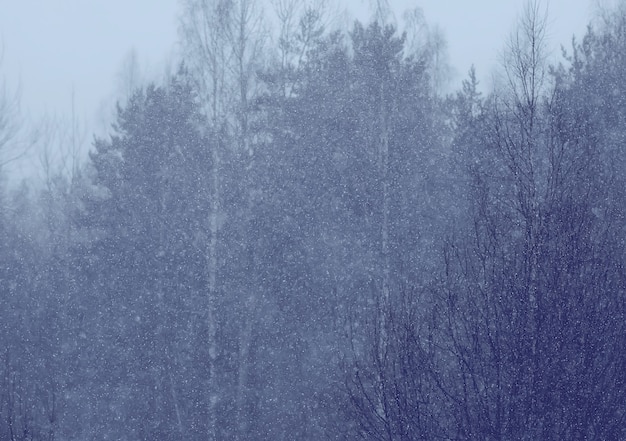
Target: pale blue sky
x,y
53,46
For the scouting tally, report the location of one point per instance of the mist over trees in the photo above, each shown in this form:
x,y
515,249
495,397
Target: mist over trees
x,y
297,235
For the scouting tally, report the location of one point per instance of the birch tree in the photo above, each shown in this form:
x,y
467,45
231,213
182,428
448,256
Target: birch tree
x,y
223,41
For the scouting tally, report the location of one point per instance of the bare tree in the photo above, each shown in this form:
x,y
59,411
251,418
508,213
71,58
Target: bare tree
x,y
505,346
10,122
512,304
61,145
203,28
130,76
223,41
300,25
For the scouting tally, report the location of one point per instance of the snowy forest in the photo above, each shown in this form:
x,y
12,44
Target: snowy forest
x,y
297,235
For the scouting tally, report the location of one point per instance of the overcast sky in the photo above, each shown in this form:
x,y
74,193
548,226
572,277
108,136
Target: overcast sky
x,y
52,47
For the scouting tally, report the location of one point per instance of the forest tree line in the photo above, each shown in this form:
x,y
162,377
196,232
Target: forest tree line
x,y
303,238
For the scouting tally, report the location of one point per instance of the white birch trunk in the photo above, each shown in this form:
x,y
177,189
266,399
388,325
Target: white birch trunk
x,y
212,295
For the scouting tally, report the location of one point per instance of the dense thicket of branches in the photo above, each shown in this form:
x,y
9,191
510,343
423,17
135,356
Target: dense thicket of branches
x,y
313,243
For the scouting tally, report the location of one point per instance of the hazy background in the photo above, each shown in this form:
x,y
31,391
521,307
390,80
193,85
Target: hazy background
x,y
54,47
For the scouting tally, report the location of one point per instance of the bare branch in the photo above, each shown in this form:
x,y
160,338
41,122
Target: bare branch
x,y
525,57
10,121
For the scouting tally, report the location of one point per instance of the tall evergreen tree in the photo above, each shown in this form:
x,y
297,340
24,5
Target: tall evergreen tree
x,y
149,285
